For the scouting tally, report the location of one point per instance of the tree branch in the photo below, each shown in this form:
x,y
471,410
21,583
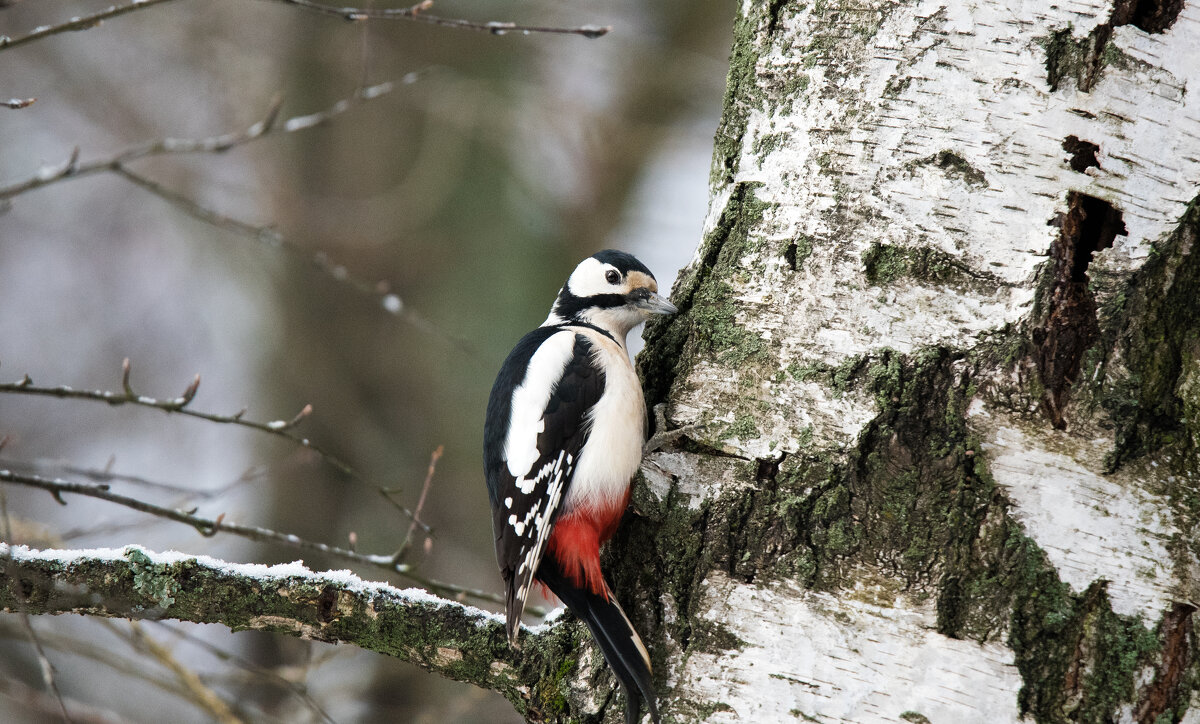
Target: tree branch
x,y
118,163
380,290
444,637
414,14
78,23
267,125
212,526
206,526
179,405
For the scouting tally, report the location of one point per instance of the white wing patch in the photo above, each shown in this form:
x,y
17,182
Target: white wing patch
x,y
529,404
531,550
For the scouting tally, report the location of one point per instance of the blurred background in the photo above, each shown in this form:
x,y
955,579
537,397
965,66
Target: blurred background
x,y
469,191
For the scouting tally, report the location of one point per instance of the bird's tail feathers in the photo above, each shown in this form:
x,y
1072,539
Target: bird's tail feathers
x,y
622,647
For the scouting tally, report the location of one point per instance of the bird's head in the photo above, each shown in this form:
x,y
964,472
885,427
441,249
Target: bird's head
x,y
611,290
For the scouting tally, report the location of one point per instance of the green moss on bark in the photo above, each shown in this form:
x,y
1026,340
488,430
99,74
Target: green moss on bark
x,y
1158,337
706,325
452,640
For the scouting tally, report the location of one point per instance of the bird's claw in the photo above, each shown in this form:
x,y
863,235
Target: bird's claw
x,y
662,436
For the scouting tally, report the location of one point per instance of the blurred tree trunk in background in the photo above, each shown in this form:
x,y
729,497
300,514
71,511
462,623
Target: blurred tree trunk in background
x,y
942,333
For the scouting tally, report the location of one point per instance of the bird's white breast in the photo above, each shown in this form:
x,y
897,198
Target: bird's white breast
x,y
613,450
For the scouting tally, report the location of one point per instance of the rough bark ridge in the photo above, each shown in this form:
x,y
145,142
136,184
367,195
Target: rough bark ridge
x,y
943,336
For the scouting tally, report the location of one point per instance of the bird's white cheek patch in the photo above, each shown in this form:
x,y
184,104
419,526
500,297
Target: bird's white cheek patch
x,y
588,279
529,403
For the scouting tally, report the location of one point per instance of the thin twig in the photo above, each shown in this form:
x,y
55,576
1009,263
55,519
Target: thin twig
x,y
103,654
118,163
179,405
107,475
36,702
77,23
199,694
206,526
413,14
19,596
381,290
267,125
299,690
433,461
212,526
416,13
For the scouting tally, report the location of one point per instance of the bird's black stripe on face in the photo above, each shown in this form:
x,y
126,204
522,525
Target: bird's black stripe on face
x,y
569,306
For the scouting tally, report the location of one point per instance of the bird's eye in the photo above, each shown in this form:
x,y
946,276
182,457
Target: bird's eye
x,y
612,276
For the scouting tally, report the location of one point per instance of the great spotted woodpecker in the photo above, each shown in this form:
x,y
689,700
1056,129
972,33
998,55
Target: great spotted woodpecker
x,y
563,439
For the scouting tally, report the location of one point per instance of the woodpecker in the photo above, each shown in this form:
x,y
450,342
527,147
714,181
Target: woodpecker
x,y
562,441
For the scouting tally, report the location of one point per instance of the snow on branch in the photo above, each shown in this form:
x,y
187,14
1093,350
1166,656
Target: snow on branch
x,y
392,563
445,637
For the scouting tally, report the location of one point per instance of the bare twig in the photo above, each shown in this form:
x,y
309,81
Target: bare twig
x,y
179,405
199,694
107,475
381,290
19,597
78,23
416,13
103,654
212,526
413,14
36,702
297,689
267,125
206,526
118,163
433,461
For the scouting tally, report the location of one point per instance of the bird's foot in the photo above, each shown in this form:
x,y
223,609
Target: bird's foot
x,y
662,436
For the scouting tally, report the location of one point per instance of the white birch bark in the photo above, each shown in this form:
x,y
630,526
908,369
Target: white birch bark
x,y
897,170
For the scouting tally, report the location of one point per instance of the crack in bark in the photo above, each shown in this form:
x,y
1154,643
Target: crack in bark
x,y
1070,327
1178,654
1084,59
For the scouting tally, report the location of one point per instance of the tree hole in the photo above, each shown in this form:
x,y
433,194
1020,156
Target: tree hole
x,y
1153,16
1083,154
789,255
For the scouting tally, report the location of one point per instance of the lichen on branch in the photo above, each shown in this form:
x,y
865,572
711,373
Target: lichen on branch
x,y
445,637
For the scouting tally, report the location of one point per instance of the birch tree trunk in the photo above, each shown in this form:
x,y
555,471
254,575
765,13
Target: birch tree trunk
x,y
942,333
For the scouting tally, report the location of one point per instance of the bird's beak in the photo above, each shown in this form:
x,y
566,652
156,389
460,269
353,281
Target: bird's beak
x,y
656,304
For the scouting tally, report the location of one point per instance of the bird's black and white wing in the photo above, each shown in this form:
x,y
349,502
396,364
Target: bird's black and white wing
x,y
537,423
